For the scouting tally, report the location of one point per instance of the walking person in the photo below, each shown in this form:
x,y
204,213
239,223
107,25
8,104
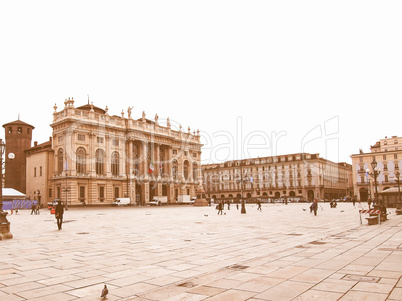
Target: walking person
x,y
315,206
220,208
33,208
59,214
259,205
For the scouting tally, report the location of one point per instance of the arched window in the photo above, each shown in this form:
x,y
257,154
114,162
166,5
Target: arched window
x,y
175,167
100,162
195,171
115,163
80,160
60,155
185,169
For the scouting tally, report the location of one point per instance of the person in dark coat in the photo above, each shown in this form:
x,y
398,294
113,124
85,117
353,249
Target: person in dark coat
x,y
259,205
220,207
59,214
315,206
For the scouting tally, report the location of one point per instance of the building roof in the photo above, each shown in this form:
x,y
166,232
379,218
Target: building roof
x,y
18,122
11,192
88,107
43,147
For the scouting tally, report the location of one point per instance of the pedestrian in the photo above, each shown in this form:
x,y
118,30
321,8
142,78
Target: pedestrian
x,y
220,208
228,205
33,208
37,209
259,205
315,206
59,214
369,203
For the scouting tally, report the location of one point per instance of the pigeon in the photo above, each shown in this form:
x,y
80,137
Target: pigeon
x,y
205,214
304,209
105,291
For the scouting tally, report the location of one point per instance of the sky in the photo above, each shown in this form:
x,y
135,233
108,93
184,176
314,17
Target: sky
x,y
257,78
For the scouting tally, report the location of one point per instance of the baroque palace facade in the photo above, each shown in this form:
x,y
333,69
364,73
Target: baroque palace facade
x,y
387,153
294,176
96,158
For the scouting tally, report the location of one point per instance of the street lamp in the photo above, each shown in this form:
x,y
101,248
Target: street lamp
x,y
4,223
396,178
243,205
375,174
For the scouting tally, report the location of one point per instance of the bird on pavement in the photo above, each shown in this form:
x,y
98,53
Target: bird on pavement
x,y
105,291
205,214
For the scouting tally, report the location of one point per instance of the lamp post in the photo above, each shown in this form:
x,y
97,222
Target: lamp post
x,y
243,205
4,223
396,178
375,174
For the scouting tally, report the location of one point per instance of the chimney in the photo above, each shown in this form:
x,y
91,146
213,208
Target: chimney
x,y
36,143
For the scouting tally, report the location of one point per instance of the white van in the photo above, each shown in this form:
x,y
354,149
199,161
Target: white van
x,y
122,202
158,201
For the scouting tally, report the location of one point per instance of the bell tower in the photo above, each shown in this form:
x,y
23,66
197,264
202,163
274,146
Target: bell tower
x,y
18,136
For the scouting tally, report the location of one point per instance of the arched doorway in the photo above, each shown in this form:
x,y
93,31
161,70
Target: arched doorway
x,y
277,195
310,195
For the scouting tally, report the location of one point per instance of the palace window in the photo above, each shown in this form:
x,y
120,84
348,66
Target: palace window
x,y
100,162
80,160
99,140
185,169
115,164
116,192
101,193
82,193
81,137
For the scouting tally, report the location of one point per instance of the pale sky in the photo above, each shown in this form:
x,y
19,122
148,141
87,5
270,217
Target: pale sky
x,y
276,77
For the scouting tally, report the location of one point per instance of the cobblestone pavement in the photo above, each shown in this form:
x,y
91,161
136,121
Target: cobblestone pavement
x,y
190,253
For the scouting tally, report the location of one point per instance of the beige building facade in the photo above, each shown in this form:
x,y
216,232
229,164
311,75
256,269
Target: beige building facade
x,y
39,171
294,176
387,153
97,158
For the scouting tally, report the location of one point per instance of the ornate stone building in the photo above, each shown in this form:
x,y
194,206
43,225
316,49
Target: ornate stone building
x,y
98,158
387,153
294,176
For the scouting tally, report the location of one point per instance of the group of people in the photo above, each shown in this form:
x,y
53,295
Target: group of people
x,y
35,208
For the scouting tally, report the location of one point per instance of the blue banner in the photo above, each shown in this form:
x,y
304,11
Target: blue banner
x,y
18,204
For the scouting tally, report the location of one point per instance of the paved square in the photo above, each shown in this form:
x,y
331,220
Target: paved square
x,y
191,253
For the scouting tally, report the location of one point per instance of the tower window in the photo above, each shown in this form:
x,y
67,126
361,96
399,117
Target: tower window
x,y
19,130
28,130
10,130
